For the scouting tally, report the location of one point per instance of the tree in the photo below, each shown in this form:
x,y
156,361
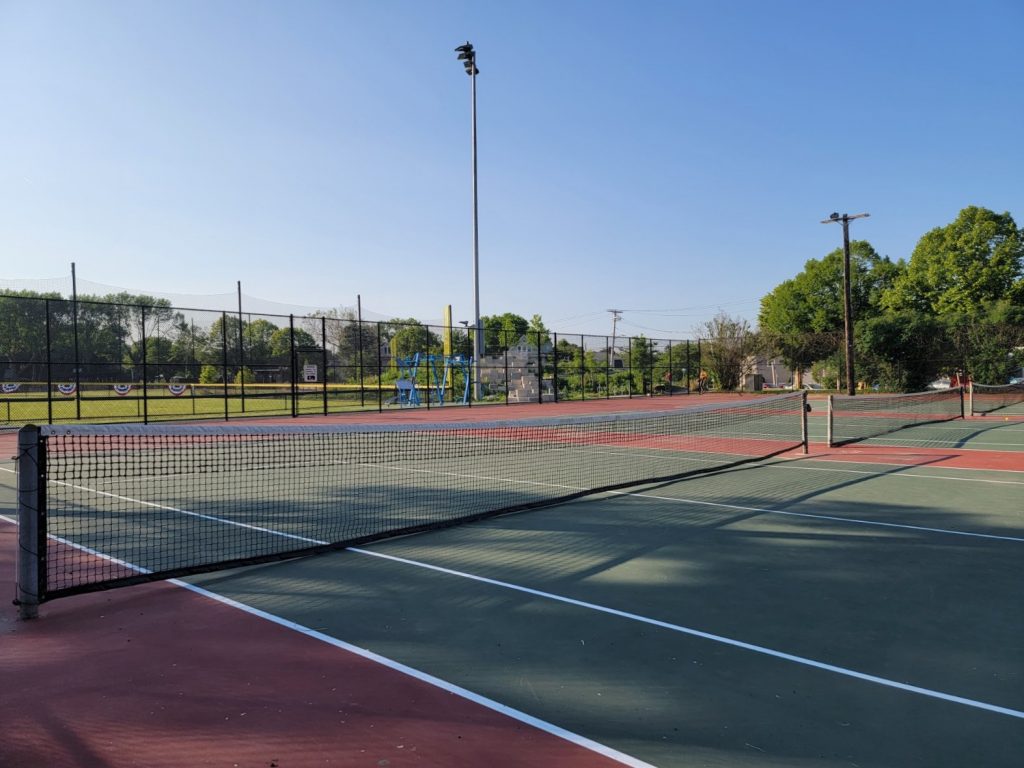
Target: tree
x,y
23,351
728,349
900,351
988,344
352,343
801,318
256,337
503,331
977,258
407,337
281,343
537,331
641,363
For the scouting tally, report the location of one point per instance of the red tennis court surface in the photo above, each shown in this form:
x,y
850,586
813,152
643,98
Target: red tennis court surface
x,y
159,676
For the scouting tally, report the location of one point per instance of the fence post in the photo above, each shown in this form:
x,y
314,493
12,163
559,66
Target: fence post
x,y
629,367
380,373
540,370
671,378
554,369
49,368
688,371
31,528
241,351
609,356
145,369
224,361
323,356
583,368
294,365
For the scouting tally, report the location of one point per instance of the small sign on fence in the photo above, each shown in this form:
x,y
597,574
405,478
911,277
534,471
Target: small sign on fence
x,y
309,373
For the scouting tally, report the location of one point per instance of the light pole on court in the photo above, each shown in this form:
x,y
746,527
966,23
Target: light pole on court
x,y
468,58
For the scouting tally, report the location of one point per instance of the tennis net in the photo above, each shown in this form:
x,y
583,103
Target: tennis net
x,y
114,505
986,398
859,417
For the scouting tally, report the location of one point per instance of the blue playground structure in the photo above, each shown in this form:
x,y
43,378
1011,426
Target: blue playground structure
x,y
441,369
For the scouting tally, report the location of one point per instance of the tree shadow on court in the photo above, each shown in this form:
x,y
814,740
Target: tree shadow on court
x,y
641,572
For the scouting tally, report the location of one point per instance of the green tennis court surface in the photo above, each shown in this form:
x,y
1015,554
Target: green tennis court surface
x,y
792,611
683,624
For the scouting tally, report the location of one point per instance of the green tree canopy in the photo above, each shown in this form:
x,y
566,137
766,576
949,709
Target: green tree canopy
x,y
957,268
502,331
801,316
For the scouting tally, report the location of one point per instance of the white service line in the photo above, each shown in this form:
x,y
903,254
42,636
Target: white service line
x,y
795,463
706,636
813,516
437,682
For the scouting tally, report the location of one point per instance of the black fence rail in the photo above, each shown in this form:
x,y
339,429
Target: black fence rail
x,y
63,360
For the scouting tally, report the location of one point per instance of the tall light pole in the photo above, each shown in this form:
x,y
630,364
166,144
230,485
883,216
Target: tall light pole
x,y
468,58
845,219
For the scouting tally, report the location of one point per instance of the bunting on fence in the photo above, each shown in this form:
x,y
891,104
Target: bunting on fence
x,y
67,389
122,389
9,389
177,389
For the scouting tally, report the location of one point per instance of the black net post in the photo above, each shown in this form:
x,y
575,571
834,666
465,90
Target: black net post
x,y
828,439
805,408
31,529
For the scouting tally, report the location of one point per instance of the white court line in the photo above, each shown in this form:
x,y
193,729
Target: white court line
x,y
706,636
794,463
522,717
515,714
814,516
666,625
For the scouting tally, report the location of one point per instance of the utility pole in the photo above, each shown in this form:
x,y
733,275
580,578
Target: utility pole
x,y
845,219
616,316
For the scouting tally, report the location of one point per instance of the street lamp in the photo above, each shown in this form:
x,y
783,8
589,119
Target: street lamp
x,y
468,58
845,219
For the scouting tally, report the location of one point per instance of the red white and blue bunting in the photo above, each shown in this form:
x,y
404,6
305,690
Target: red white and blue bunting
x,y
9,389
177,389
67,389
122,389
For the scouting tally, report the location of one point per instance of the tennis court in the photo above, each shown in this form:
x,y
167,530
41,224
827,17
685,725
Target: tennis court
x,y
717,596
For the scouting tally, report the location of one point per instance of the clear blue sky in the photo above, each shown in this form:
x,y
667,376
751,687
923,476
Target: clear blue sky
x,y
670,156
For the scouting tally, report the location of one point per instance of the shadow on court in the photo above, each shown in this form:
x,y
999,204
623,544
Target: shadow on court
x,y
908,605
